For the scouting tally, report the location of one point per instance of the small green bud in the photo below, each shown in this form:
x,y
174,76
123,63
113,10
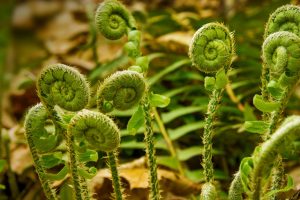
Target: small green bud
x,y
221,79
136,68
132,49
209,83
143,62
134,36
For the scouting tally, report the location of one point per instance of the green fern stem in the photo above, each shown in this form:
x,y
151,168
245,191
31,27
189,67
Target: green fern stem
x,y
208,134
208,192
277,177
276,116
278,170
58,122
265,76
74,167
236,188
49,192
84,188
112,161
286,133
150,149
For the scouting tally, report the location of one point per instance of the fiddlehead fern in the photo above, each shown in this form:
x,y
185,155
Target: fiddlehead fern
x,y
35,131
285,18
125,89
212,48
282,57
281,54
95,129
64,86
263,160
43,140
122,90
113,20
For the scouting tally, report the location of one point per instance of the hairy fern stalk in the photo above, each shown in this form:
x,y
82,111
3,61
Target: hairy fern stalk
x,y
211,51
280,74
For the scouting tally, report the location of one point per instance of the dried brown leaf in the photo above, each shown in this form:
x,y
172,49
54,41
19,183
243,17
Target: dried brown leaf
x,y
175,41
173,185
22,17
44,8
20,158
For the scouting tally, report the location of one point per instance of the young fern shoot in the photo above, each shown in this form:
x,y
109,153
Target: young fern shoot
x,y
281,54
279,76
98,132
121,91
35,132
281,61
211,51
263,158
124,89
58,85
285,18
284,47
63,86
114,21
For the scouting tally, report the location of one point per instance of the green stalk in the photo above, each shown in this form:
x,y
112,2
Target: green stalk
x,y
236,188
80,185
49,192
150,149
112,161
74,167
278,173
84,188
208,134
277,176
264,82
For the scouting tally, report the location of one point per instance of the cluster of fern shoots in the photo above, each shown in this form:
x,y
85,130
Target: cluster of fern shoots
x,y
84,130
